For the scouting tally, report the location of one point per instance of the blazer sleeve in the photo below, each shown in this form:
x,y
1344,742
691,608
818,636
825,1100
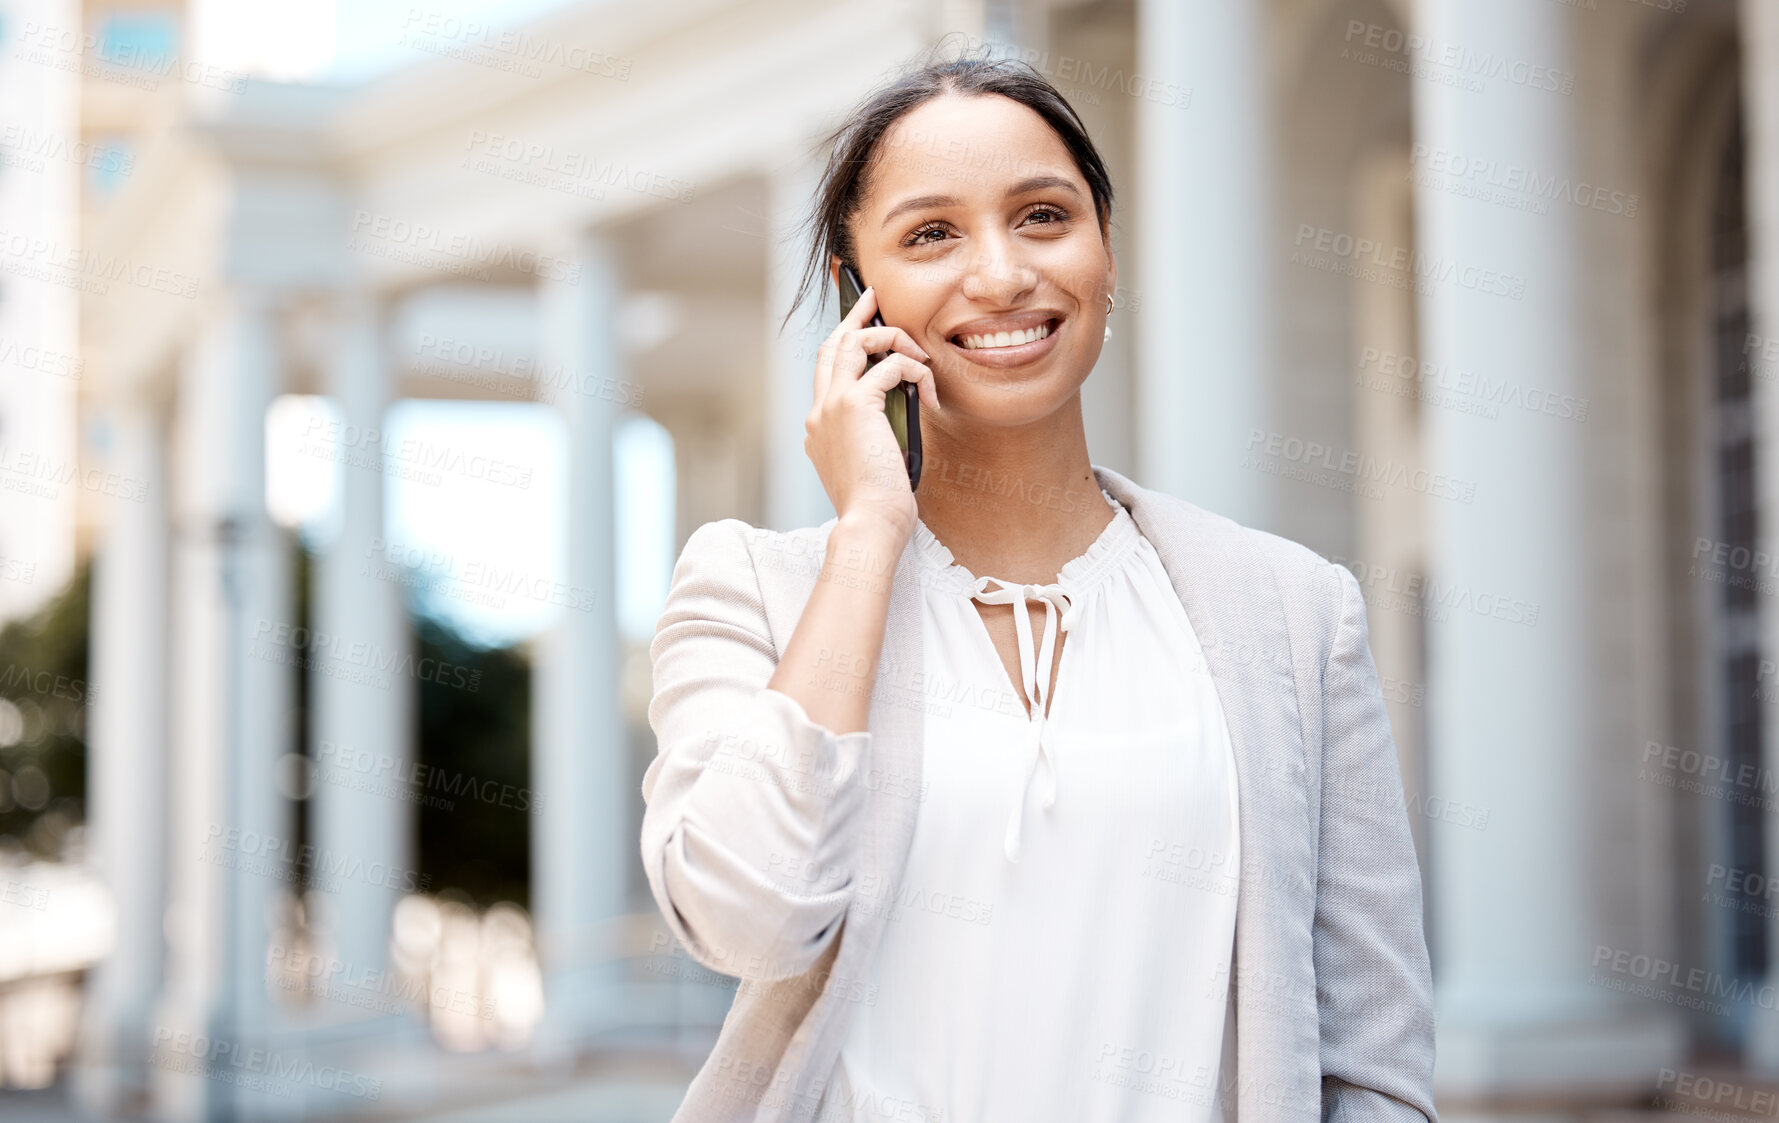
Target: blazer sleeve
x,y
1374,986
751,823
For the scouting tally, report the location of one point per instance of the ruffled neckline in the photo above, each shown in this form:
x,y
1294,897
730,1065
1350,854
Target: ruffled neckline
x,y
1101,557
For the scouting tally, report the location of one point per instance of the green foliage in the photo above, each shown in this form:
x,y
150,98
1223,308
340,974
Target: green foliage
x,y
475,750
43,711
474,745
473,755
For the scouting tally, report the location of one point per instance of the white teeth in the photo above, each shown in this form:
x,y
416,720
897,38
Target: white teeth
x,y
1004,338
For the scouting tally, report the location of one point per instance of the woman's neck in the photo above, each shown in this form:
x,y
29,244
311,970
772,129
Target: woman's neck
x,y
1012,503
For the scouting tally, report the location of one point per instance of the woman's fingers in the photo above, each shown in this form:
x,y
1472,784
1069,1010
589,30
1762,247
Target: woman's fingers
x,y
824,363
894,371
853,349
842,355
874,341
855,318
846,426
860,314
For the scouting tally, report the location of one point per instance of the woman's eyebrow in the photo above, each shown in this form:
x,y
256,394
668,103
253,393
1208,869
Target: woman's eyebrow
x,y
1040,182
919,202
1034,183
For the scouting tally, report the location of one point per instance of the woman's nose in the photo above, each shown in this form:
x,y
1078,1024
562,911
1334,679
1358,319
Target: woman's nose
x,y
998,276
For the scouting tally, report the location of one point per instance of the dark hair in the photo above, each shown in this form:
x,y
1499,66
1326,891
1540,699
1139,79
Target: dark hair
x,y
854,146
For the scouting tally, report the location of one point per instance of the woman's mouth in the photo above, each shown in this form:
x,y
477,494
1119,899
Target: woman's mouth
x,y
1004,338
1008,348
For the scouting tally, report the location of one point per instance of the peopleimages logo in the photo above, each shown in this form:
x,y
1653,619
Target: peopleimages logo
x,y
17,677
1676,984
506,48
43,360
546,165
37,146
1475,393
29,254
352,660
1360,468
373,230
221,1059
1372,260
1455,63
1521,184
280,858
409,779
118,59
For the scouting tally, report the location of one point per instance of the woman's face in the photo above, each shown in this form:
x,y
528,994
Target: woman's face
x,y
982,241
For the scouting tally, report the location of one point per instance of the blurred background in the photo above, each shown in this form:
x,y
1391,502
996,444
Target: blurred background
x,y
364,366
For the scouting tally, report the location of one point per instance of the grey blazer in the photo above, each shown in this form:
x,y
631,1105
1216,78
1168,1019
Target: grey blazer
x,y
771,844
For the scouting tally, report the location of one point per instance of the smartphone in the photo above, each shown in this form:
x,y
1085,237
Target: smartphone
x,y
901,405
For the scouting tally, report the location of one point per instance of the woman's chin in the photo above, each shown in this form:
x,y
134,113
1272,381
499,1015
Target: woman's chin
x,y
1005,404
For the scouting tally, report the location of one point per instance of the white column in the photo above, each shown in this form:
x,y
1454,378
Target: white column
x,y
228,842
794,493
127,761
1204,370
581,844
40,408
1514,728
1760,101
1389,531
363,715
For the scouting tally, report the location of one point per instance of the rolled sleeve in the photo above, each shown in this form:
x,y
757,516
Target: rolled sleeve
x,y
750,833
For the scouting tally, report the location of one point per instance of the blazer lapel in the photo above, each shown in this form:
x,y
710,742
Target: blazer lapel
x,y
1232,599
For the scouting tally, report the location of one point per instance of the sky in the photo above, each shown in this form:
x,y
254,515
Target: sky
x,y
471,540
332,40
479,541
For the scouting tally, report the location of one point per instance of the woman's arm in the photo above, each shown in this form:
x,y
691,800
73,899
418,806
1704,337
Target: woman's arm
x,y
749,835
1373,983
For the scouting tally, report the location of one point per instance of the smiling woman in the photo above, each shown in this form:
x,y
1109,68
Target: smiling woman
x,y
1182,888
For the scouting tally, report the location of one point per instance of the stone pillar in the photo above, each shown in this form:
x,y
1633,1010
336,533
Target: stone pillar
x,y
231,690
794,493
1387,426
582,844
361,680
1518,909
1760,102
127,786
1204,371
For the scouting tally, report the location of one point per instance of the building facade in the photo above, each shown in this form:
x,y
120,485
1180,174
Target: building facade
x,y
1480,300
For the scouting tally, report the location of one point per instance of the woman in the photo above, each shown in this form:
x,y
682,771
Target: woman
x,y
1034,794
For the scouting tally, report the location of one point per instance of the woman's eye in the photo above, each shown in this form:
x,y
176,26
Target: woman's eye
x,y
1046,215
922,235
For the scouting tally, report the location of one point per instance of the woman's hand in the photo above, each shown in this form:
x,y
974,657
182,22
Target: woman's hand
x,y
849,440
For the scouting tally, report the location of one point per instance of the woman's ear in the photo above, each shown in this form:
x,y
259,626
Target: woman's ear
x,y
1111,271
834,270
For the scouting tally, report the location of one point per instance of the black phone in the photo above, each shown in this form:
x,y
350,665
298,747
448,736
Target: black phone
x,y
901,405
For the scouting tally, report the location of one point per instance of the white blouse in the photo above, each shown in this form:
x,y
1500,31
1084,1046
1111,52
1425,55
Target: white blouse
x,y
1060,945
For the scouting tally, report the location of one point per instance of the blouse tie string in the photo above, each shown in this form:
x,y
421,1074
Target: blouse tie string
x,y
1036,672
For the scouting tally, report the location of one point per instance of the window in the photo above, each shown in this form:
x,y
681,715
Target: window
x,y
148,40
1733,453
